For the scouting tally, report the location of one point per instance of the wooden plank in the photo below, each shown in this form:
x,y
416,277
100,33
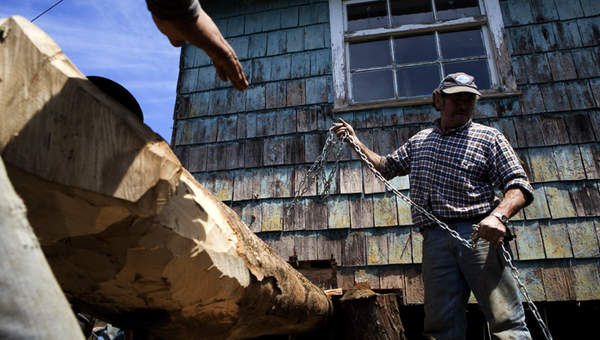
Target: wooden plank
x,y
527,129
371,183
416,238
266,124
400,182
196,158
538,67
531,101
306,118
529,241
543,10
306,247
313,145
252,216
293,150
523,155
543,166
282,182
399,246
586,280
253,153
316,214
539,207
370,276
568,162
586,198
285,121
272,215
597,225
590,155
393,279
587,63
384,141
350,177
299,176
543,38
392,116
555,97
329,246
556,240
226,128
250,125
384,210
361,212
338,212
562,66
354,253
377,248
345,278
579,94
415,292
265,177
294,217
404,213
223,185
531,276
234,153
559,200
583,238
273,151
506,126
554,130
558,281
580,128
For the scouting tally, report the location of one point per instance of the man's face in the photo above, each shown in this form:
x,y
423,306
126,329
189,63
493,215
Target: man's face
x,y
458,106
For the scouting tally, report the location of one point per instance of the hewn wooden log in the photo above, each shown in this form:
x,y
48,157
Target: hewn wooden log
x,y
32,306
129,233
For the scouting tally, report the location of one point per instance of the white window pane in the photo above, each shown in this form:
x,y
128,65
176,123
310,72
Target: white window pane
x,y
367,15
370,54
373,85
411,12
454,9
415,49
462,44
418,80
477,68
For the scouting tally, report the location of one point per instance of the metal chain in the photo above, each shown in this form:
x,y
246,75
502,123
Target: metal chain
x,y
318,167
532,307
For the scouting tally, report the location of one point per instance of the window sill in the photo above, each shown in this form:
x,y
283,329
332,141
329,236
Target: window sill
x,y
490,94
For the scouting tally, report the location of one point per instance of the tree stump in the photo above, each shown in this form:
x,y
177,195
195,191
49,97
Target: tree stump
x,y
367,315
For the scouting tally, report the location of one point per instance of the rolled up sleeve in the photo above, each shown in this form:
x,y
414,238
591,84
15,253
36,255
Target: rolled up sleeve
x,y
506,169
396,163
174,9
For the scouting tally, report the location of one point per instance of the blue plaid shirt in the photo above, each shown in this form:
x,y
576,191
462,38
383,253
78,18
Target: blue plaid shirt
x,y
454,174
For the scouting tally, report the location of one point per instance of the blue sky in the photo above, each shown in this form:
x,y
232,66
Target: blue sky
x,y
115,39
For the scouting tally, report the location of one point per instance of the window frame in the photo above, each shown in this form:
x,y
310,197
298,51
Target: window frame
x,y
490,21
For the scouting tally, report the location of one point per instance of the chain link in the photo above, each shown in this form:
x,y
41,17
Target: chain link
x,y
318,168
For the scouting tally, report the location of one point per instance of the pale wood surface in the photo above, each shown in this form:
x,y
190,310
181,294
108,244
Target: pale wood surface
x,y
32,306
129,233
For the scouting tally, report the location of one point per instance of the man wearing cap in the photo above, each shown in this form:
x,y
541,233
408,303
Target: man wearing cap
x,y
453,170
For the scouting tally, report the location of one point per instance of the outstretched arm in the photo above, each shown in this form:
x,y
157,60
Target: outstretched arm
x,y
341,127
199,29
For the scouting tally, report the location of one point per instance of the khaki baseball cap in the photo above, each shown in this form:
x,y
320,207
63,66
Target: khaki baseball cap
x,y
459,82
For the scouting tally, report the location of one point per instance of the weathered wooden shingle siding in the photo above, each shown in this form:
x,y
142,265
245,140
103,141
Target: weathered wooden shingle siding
x,y
253,148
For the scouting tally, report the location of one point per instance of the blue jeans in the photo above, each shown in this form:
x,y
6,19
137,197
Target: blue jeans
x,y
451,271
